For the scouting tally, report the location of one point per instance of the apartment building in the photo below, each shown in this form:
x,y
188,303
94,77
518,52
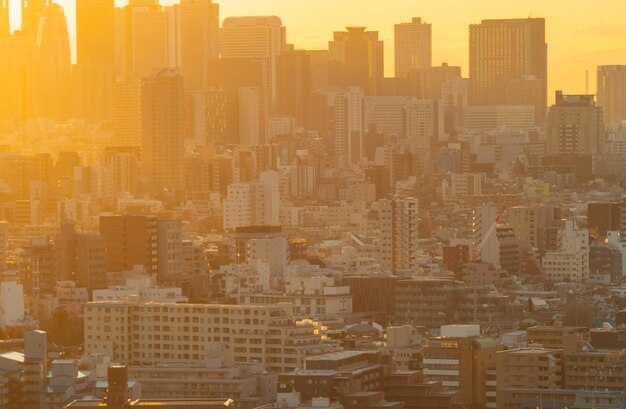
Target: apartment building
x,y
161,333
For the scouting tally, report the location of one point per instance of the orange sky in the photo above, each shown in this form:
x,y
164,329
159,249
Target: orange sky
x,y
580,34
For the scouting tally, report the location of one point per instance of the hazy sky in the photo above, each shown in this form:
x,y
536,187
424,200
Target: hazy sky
x,y
581,34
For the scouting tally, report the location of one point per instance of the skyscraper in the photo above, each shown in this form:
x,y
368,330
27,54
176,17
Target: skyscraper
x,y
413,46
162,142
612,94
53,64
32,11
95,25
356,58
398,235
5,26
575,126
348,108
504,53
262,38
198,40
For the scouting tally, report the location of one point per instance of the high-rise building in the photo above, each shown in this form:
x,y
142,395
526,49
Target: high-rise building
x,y
198,40
93,74
162,142
412,46
348,109
294,84
17,77
505,51
146,33
611,90
95,25
32,11
356,58
261,38
127,111
399,235
53,64
575,126
5,24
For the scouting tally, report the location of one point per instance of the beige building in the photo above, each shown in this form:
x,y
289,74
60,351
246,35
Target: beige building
x,y
612,94
158,333
413,46
575,126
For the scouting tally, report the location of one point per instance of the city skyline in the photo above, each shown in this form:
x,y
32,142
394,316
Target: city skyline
x,y
579,37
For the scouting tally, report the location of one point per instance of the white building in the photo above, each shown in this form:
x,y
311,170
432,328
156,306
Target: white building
x,y
140,288
11,304
158,333
253,203
570,262
270,250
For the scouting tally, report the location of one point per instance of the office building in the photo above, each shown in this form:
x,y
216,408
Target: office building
x,y
575,126
355,58
95,31
197,40
611,91
127,111
506,52
262,38
5,23
412,46
293,88
53,64
399,235
604,217
348,113
162,143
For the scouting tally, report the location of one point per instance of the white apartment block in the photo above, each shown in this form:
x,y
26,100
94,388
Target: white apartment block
x,y
399,235
466,184
157,333
571,261
253,203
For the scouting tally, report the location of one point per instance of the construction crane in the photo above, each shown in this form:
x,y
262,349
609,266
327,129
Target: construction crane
x,y
475,253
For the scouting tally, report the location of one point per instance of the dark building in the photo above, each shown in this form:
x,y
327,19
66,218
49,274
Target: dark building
x,y
603,217
293,87
131,240
409,387
336,375
455,257
605,261
371,294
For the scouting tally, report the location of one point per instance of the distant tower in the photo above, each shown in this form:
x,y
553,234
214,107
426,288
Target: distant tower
x,y
356,58
612,94
95,31
413,46
54,64
508,63
261,37
5,25
32,11
198,37
162,144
